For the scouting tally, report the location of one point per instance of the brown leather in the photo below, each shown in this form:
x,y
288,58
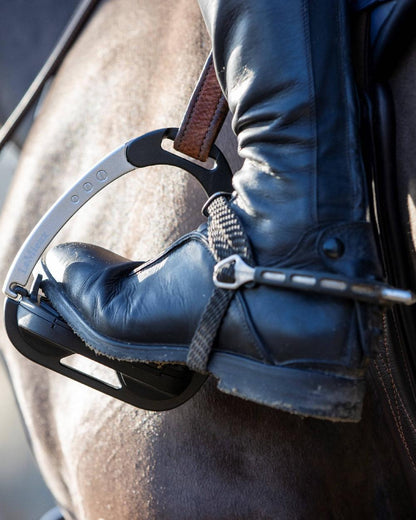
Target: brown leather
x,y
204,116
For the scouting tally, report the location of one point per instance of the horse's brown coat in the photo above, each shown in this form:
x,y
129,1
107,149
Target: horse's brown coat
x,y
217,457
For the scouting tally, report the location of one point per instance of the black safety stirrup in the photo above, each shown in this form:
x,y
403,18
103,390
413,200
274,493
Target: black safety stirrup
x,y
33,326
40,334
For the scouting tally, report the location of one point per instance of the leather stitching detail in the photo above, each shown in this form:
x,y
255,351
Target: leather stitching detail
x,y
189,119
213,122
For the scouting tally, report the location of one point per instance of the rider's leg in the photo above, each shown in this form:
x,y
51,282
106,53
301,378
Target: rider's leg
x,y
285,68
299,203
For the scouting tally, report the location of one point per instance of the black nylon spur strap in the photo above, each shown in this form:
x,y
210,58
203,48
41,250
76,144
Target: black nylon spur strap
x,y
226,236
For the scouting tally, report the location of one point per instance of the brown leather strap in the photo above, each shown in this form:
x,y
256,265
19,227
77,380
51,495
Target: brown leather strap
x,y
204,116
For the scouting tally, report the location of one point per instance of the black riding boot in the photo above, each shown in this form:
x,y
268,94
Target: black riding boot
x,y
297,335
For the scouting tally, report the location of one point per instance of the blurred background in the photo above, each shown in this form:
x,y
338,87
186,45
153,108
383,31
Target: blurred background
x,y
23,495
28,32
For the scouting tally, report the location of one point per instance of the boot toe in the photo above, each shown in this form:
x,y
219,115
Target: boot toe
x,y
70,263
82,273
64,260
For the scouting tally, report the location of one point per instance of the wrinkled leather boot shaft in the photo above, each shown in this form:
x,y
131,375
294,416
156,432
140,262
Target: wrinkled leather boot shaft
x,y
286,71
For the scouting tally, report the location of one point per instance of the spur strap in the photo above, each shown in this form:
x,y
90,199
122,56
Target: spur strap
x,y
204,116
226,236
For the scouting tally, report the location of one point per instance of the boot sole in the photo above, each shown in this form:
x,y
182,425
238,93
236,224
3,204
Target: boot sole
x,y
302,392
298,391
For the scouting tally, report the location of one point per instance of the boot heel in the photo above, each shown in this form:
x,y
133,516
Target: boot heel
x,y
307,393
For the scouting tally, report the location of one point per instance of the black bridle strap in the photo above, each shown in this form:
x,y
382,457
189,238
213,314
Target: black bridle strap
x,y
72,30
